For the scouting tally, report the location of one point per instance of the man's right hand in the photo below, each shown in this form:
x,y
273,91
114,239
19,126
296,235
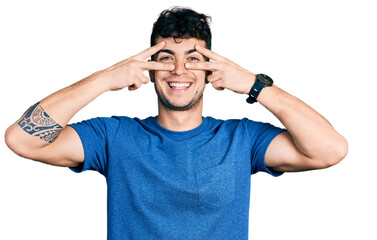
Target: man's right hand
x,y
129,72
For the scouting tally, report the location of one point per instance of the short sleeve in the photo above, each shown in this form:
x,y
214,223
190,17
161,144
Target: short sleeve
x,y
96,137
260,136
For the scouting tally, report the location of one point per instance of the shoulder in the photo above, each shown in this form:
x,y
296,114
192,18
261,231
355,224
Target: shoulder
x,y
104,125
229,126
216,122
250,127
236,123
257,128
98,122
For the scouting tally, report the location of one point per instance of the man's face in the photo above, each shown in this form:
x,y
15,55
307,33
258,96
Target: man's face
x,y
180,89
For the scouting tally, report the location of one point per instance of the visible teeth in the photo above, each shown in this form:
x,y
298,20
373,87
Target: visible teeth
x,y
179,85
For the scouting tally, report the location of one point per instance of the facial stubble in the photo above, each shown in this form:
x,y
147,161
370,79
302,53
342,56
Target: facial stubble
x,y
170,106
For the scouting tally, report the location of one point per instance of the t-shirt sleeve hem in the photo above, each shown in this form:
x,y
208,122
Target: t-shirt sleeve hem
x,y
268,169
82,166
273,173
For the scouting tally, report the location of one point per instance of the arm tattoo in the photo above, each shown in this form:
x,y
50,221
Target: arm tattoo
x,y
37,122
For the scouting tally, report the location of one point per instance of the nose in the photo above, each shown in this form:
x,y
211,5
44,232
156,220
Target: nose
x,y
179,68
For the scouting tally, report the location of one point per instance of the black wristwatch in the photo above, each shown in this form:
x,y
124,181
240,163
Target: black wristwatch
x,y
262,80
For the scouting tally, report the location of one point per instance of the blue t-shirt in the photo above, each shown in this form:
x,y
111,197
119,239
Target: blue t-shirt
x,y
176,185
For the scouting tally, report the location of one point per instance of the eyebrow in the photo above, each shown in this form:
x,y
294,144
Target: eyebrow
x,y
190,51
173,53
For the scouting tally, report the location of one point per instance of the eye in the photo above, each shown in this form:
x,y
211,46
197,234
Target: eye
x,y
193,59
165,58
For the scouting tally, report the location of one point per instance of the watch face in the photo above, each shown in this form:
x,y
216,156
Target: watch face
x,y
265,79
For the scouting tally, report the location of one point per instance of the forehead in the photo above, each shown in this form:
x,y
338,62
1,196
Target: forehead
x,y
181,45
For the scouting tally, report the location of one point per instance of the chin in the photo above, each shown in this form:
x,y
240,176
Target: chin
x,y
180,107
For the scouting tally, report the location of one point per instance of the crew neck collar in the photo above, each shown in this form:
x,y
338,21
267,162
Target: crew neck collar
x,y
180,134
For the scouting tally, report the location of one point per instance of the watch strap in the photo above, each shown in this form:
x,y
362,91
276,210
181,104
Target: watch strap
x,y
255,90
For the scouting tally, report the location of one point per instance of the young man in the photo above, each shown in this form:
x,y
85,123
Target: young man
x,y
177,175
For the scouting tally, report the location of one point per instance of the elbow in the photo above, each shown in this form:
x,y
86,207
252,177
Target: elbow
x,y
14,142
338,152
9,139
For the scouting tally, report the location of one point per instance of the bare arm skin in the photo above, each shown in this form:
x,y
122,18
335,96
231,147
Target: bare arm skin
x,y
310,141
42,133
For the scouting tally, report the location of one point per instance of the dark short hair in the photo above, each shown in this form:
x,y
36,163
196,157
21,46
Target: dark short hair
x,y
182,23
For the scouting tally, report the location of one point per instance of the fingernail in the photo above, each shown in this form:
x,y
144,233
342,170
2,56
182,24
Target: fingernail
x,y
188,65
171,67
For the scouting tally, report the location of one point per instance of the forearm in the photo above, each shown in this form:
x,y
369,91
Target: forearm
x,y
65,103
49,117
312,134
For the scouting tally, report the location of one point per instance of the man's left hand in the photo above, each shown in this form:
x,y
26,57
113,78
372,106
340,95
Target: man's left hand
x,y
225,73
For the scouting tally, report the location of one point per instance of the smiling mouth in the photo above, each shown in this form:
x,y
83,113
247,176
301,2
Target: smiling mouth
x,y
179,85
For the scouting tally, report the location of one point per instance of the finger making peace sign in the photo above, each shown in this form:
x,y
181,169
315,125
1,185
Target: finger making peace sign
x,y
129,72
225,73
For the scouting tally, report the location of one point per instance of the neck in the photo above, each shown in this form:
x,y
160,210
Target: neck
x,y
180,120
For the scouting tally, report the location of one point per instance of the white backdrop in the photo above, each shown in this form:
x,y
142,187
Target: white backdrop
x,y
323,52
